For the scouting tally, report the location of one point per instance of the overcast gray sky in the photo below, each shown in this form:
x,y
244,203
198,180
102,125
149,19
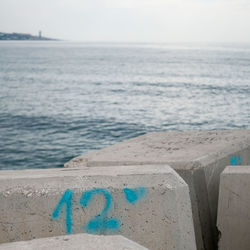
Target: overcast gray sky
x,y
130,20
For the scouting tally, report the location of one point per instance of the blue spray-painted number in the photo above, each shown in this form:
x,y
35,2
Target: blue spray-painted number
x,y
233,160
67,199
134,195
99,223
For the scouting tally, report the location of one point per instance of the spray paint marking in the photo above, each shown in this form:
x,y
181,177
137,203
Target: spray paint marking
x,y
100,222
233,160
67,199
134,195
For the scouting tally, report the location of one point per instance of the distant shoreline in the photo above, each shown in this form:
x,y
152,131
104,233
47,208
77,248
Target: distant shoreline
x,y
23,37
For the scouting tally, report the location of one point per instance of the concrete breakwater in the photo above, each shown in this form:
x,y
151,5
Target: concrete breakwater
x,y
197,156
131,201
234,208
160,190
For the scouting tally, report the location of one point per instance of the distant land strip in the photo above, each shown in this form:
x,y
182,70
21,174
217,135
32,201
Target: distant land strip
x,y
21,36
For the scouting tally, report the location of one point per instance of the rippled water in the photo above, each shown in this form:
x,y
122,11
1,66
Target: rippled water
x,y
59,100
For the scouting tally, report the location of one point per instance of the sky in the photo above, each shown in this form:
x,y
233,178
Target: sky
x,y
130,20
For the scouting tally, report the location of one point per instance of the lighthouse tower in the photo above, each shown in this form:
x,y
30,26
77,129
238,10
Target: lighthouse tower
x,y
40,34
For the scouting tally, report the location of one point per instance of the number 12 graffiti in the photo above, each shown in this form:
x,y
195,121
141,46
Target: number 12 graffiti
x,y
100,222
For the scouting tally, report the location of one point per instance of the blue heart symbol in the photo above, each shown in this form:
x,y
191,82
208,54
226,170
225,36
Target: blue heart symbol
x,y
134,195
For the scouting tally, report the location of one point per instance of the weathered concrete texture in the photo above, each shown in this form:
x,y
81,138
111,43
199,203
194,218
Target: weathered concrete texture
x,y
234,208
75,242
198,156
149,205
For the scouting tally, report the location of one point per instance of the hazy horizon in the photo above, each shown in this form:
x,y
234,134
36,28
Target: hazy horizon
x,y
140,21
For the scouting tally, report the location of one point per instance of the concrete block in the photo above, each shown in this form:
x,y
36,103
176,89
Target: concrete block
x,y
149,205
233,220
198,157
75,242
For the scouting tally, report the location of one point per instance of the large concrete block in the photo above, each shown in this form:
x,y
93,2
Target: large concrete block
x,y
198,156
149,205
75,242
234,208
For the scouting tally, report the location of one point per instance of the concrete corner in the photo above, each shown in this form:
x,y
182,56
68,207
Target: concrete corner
x,y
233,219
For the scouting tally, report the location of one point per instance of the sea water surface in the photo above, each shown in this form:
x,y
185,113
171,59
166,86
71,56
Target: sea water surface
x,y
61,99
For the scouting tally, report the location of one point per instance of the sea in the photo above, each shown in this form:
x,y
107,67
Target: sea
x,y
62,99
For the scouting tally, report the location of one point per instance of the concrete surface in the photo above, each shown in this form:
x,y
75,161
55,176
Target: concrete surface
x,y
149,205
234,208
198,156
75,242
